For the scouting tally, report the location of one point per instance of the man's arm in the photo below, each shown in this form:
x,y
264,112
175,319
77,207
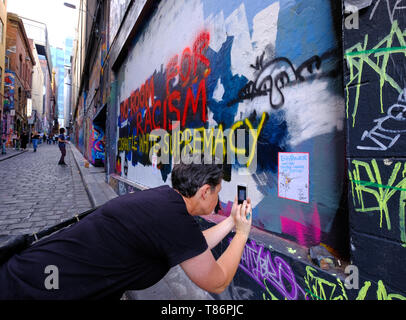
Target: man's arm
x,y
214,276
217,233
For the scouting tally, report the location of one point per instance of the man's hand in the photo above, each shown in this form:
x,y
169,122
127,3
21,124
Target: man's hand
x,y
214,276
242,215
243,218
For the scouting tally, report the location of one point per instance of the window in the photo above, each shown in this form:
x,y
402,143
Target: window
x,y
1,31
21,65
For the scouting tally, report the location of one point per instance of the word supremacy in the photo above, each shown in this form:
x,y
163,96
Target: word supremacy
x,y
224,145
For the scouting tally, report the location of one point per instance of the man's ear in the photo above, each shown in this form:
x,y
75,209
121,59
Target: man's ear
x,y
204,191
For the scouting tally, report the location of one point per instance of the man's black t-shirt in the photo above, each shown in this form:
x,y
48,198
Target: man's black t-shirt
x,y
129,243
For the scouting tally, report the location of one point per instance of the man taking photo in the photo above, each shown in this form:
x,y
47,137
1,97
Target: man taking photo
x,y
132,241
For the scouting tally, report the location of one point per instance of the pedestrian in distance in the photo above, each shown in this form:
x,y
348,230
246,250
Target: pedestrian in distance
x,y
24,140
35,138
14,139
62,146
132,241
3,143
18,141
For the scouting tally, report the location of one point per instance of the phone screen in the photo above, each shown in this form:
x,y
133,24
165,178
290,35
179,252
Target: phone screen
x,y
242,194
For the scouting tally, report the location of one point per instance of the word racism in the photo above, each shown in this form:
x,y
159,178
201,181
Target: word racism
x,y
150,114
167,116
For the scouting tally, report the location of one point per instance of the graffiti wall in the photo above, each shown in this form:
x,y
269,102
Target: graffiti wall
x,y
79,128
375,94
211,74
268,274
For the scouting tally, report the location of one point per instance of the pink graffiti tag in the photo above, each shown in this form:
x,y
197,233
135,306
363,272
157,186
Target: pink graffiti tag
x,y
257,263
306,235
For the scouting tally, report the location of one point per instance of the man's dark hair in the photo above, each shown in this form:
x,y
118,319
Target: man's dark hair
x,y
62,130
188,178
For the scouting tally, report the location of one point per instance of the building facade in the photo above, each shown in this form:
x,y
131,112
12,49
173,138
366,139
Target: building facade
x,y
38,31
18,76
58,63
90,82
36,114
3,31
68,84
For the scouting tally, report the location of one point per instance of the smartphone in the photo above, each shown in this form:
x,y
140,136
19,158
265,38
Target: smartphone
x,y
241,193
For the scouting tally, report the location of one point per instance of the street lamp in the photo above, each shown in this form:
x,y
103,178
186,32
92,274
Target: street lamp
x,y
69,5
72,6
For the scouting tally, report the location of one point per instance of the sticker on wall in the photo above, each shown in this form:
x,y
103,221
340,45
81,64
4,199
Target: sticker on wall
x,y
293,176
154,161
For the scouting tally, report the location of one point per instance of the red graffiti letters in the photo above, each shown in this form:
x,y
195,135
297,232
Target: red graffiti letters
x,y
183,97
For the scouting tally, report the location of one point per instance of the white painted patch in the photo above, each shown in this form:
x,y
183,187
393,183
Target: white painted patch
x,y
265,28
241,51
217,29
312,110
218,91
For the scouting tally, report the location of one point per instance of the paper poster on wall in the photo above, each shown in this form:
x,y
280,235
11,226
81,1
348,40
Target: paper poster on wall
x,y
293,176
154,162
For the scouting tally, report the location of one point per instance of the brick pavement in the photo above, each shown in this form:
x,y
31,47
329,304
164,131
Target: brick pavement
x,y
35,192
10,152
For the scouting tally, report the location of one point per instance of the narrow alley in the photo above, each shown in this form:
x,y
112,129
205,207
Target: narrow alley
x,y
36,193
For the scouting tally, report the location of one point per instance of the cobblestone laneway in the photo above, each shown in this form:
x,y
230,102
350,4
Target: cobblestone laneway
x,y
35,192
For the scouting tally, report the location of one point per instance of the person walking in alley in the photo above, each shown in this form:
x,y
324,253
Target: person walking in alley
x,y
24,140
132,241
62,145
35,138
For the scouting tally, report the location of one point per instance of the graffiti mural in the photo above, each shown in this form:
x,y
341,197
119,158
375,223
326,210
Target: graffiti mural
x,y
388,129
375,98
240,66
98,144
268,271
361,56
9,85
373,193
268,274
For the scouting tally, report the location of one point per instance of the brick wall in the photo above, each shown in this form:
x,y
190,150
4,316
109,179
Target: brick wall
x,y
375,72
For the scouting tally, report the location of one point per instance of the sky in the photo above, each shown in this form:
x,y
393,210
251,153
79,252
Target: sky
x,y
61,21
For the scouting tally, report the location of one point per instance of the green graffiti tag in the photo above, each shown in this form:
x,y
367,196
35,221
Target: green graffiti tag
x,y
322,289
376,58
312,294
381,293
382,192
269,295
